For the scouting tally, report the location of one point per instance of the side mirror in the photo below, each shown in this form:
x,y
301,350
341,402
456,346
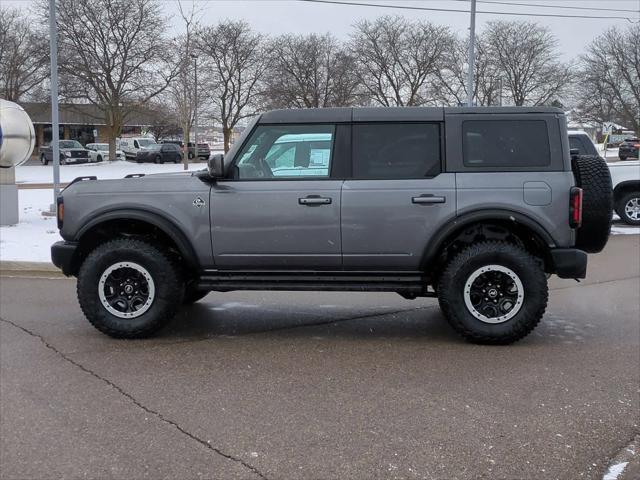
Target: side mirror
x,y
216,166
574,152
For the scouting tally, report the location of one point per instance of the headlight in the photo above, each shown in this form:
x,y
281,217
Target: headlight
x,y
67,154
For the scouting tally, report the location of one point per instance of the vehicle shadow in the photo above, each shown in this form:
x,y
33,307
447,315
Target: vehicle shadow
x,y
203,321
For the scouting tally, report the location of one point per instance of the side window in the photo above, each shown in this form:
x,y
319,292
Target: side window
x,y
396,150
576,143
504,143
286,151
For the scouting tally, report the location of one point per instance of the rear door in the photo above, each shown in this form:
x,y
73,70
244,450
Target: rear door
x,y
397,197
281,209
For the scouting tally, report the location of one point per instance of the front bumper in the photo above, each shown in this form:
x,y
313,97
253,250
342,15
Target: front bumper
x,y
569,262
63,256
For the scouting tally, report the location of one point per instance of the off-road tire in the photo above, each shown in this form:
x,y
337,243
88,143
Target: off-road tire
x,y
620,208
451,292
593,176
169,288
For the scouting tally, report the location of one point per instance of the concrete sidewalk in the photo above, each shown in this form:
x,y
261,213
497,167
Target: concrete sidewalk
x,y
29,269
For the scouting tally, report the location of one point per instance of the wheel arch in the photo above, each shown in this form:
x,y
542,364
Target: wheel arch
x,y
624,187
514,222
135,222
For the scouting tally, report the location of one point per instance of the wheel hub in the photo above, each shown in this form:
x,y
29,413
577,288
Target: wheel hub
x,y
126,290
493,294
632,208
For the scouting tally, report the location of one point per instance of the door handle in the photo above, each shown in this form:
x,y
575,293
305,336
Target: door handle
x,y
312,200
428,199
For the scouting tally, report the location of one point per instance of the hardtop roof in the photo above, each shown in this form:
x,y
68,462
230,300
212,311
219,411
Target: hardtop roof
x,y
393,114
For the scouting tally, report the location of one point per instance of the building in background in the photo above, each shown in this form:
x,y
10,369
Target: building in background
x,y
81,122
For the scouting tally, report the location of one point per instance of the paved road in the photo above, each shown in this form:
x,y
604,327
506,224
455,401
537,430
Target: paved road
x,y
331,385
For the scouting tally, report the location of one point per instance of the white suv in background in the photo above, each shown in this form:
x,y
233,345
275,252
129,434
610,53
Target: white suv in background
x,y
100,151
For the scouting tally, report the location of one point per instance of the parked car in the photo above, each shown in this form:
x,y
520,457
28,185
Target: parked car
x,y
100,151
132,145
625,178
71,152
160,153
474,206
630,148
203,150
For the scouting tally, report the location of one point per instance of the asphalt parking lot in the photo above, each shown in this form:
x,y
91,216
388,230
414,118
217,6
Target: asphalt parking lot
x,y
321,385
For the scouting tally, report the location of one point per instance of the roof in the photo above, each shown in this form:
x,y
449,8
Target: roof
x,y
82,114
398,114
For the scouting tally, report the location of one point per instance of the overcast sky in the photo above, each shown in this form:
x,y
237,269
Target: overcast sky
x,y
293,16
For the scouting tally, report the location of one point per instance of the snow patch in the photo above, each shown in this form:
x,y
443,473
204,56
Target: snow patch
x,y
615,471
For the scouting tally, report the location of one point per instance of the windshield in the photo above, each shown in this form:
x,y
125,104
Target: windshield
x,y
145,142
70,144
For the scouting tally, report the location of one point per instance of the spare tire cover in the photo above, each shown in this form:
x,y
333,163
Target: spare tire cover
x,y
593,176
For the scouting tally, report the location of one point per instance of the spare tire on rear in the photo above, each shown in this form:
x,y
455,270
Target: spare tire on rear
x,y
593,176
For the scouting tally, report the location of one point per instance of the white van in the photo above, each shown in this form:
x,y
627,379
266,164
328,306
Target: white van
x,y
131,145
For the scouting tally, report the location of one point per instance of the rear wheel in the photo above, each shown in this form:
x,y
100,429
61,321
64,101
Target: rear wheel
x,y
99,159
178,159
622,157
43,160
493,292
128,288
628,208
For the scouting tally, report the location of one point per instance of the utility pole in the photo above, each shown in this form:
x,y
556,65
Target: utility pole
x,y
55,127
472,53
195,105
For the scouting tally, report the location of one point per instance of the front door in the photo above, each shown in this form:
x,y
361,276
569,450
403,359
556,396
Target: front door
x,y
398,196
280,209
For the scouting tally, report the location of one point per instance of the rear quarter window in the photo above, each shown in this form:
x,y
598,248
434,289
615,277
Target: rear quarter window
x,y
504,143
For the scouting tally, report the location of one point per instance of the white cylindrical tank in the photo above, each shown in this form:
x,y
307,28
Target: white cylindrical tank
x,y
17,137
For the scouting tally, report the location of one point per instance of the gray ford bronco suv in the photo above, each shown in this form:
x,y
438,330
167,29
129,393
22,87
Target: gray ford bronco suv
x,y
474,206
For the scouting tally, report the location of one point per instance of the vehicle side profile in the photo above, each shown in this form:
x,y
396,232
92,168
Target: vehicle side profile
x,y
474,206
630,148
160,153
132,145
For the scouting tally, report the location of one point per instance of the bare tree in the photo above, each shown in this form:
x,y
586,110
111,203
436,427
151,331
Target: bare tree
x,y
181,91
113,54
398,60
609,86
451,86
24,56
236,59
309,72
528,61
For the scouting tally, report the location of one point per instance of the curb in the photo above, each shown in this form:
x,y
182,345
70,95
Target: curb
x,y
29,269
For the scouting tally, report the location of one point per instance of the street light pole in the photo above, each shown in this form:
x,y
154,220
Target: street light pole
x,y
195,105
472,53
55,127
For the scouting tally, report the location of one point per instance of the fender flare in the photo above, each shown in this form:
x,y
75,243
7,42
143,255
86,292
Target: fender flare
x,y
156,219
462,221
626,184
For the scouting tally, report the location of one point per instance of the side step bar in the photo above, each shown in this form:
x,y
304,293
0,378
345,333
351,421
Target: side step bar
x,y
410,284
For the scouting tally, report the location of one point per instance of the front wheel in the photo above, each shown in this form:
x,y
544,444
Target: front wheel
x,y
493,293
158,159
622,157
628,208
128,288
43,160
